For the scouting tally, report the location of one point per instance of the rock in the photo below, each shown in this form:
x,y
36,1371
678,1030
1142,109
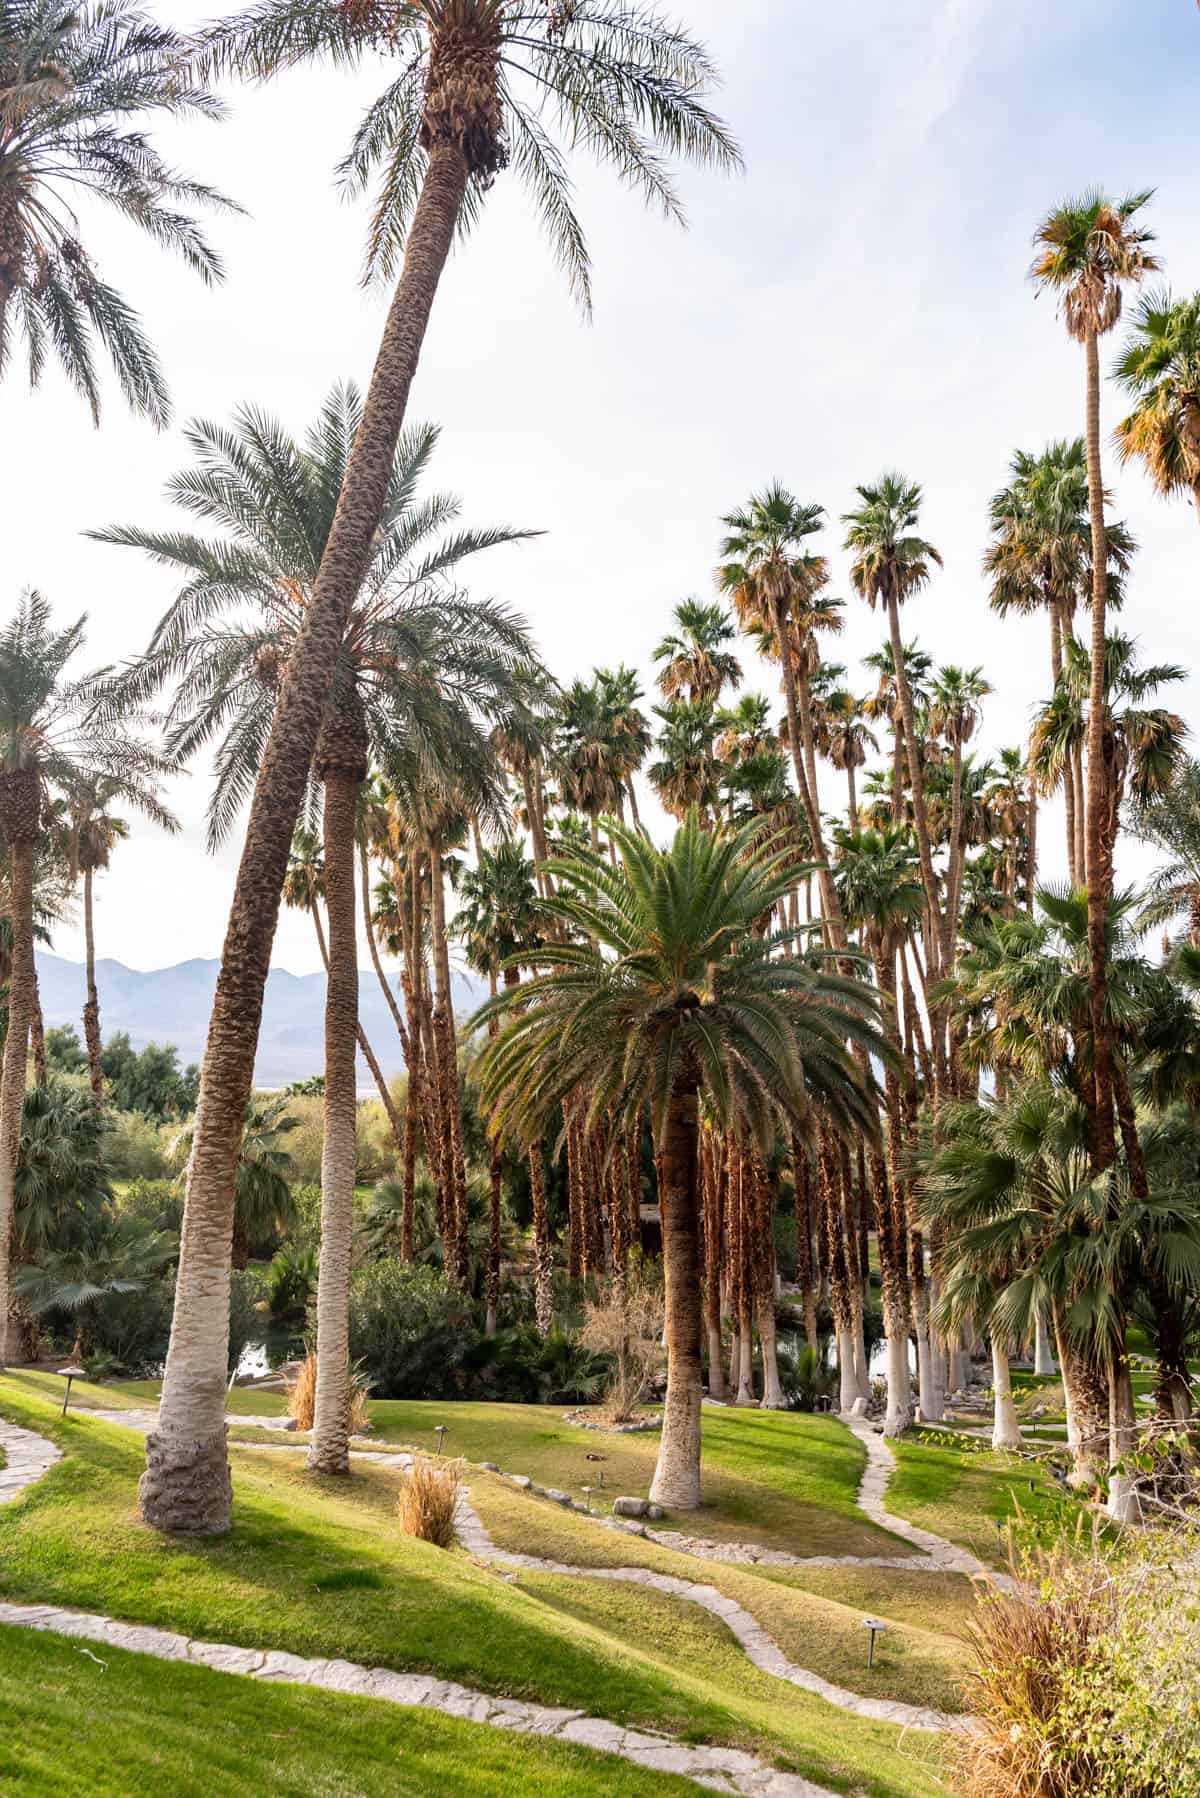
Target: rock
x,y
633,1507
655,1513
291,1424
522,1480
560,1498
489,1467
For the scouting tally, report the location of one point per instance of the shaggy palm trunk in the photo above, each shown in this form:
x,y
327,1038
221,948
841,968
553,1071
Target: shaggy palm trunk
x,y
839,1284
712,1168
1006,1432
37,1035
916,775
1087,1409
368,1053
763,1225
329,1449
20,802
187,1486
91,1009
676,1482
799,740
543,1249
806,1277
454,1225
1099,849
495,1194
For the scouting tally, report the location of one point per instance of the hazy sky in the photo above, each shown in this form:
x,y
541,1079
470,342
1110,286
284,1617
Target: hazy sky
x,y
856,301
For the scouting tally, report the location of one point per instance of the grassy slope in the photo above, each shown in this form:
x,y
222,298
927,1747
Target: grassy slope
x,y
962,1494
318,1567
134,1727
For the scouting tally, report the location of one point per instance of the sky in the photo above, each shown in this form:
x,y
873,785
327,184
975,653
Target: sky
x,y
857,300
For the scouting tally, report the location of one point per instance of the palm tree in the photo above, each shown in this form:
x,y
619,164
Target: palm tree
x,y
686,776
94,833
265,1203
619,82
955,711
1040,558
56,732
1168,818
75,88
589,763
670,998
233,630
629,735
695,666
745,729
891,563
773,583
1159,365
1087,250
848,740
885,703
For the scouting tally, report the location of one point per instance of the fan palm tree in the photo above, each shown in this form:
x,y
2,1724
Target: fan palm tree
x,y
745,729
1168,818
954,713
773,583
672,997
228,639
76,85
695,666
885,703
849,738
1159,365
94,833
629,734
618,81
1087,251
56,732
687,775
891,563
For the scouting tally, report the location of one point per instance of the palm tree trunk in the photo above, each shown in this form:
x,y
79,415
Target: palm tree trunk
x,y
889,1221
495,1194
22,975
376,963
368,1053
1043,1358
633,804
187,1486
329,1450
37,1034
852,811
956,860
455,1223
91,1009
1099,855
712,1170
1031,847
676,1482
806,1277
543,1249
799,739
916,777
1006,1432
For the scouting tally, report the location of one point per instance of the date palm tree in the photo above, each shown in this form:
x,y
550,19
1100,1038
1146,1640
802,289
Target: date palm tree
x,y
669,997
227,641
476,86
76,86
94,832
694,663
1169,819
892,563
1159,365
265,1201
1088,250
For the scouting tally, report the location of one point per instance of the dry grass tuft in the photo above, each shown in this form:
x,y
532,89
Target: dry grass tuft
x,y
428,1501
302,1396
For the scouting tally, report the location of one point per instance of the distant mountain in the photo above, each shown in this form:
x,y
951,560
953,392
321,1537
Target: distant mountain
x,y
172,1005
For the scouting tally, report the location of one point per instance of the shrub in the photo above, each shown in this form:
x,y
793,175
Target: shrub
x,y
139,1149
302,1396
290,1283
1084,1679
428,1503
155,1202
626,1323
409,1329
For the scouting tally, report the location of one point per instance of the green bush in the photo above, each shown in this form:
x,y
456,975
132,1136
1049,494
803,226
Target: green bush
x,y
139,1149
156,1203
409,1329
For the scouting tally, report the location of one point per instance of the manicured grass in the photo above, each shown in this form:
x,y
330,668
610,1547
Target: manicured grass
x,y
962,1494
136,1395
318,1567
778,1478
76,1729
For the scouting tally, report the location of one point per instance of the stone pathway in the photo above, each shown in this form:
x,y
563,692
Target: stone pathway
x,y
27,1458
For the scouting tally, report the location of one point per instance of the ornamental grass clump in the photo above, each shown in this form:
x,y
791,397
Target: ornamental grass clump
x,y
428,1502
302,1394
1085,1681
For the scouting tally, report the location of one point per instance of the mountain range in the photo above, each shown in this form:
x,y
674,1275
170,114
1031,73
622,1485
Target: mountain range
x,y
172,1005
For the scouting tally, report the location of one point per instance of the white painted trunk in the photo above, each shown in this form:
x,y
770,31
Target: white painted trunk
x,y
772,1398
745,1363
1006,1431
847,1377
1044,1363
899,1387
862,1365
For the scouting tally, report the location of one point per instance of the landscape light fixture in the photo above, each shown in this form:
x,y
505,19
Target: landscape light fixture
x,y
441,1436
587,1499
876,1628
69,1374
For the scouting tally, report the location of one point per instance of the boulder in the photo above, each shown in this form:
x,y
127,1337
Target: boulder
x,y
632,1507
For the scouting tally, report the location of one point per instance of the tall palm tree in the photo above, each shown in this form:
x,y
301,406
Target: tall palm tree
x,y
892,563
848,740
670,998
55,733
265,1200
954,713
686,775
1169,819
619,82
228,639
94,833
629,734
772,581
885,703
76,85
1087,251
694,663
1159,365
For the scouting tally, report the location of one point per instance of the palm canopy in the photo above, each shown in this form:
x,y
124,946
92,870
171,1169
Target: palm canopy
x,y
669,985
879,881
695,665
76,87
1169,819
228,634
1159,366
764,566
956,702
1147,739
1085,249
686,774
891,561
499,913
1040,556
517,81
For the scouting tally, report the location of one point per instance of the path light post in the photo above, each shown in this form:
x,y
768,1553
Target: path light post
x,y
877,1628
587,1499
441,1436
69,1374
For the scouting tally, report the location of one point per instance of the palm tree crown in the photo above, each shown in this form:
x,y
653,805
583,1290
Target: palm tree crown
x,y
75,86
1086,249
1160,366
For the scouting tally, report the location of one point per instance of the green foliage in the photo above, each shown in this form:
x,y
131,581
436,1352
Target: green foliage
x,y
62,1176
64,1051
156,1203
291,1282
149,1081
408,1328
138,1148
518,1367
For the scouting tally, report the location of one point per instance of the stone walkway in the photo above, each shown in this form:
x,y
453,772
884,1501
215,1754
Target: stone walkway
x,y
27,1458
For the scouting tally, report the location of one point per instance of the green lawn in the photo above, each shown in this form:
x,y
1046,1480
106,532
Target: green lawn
x,y
134,1726
318,1567
963,1493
